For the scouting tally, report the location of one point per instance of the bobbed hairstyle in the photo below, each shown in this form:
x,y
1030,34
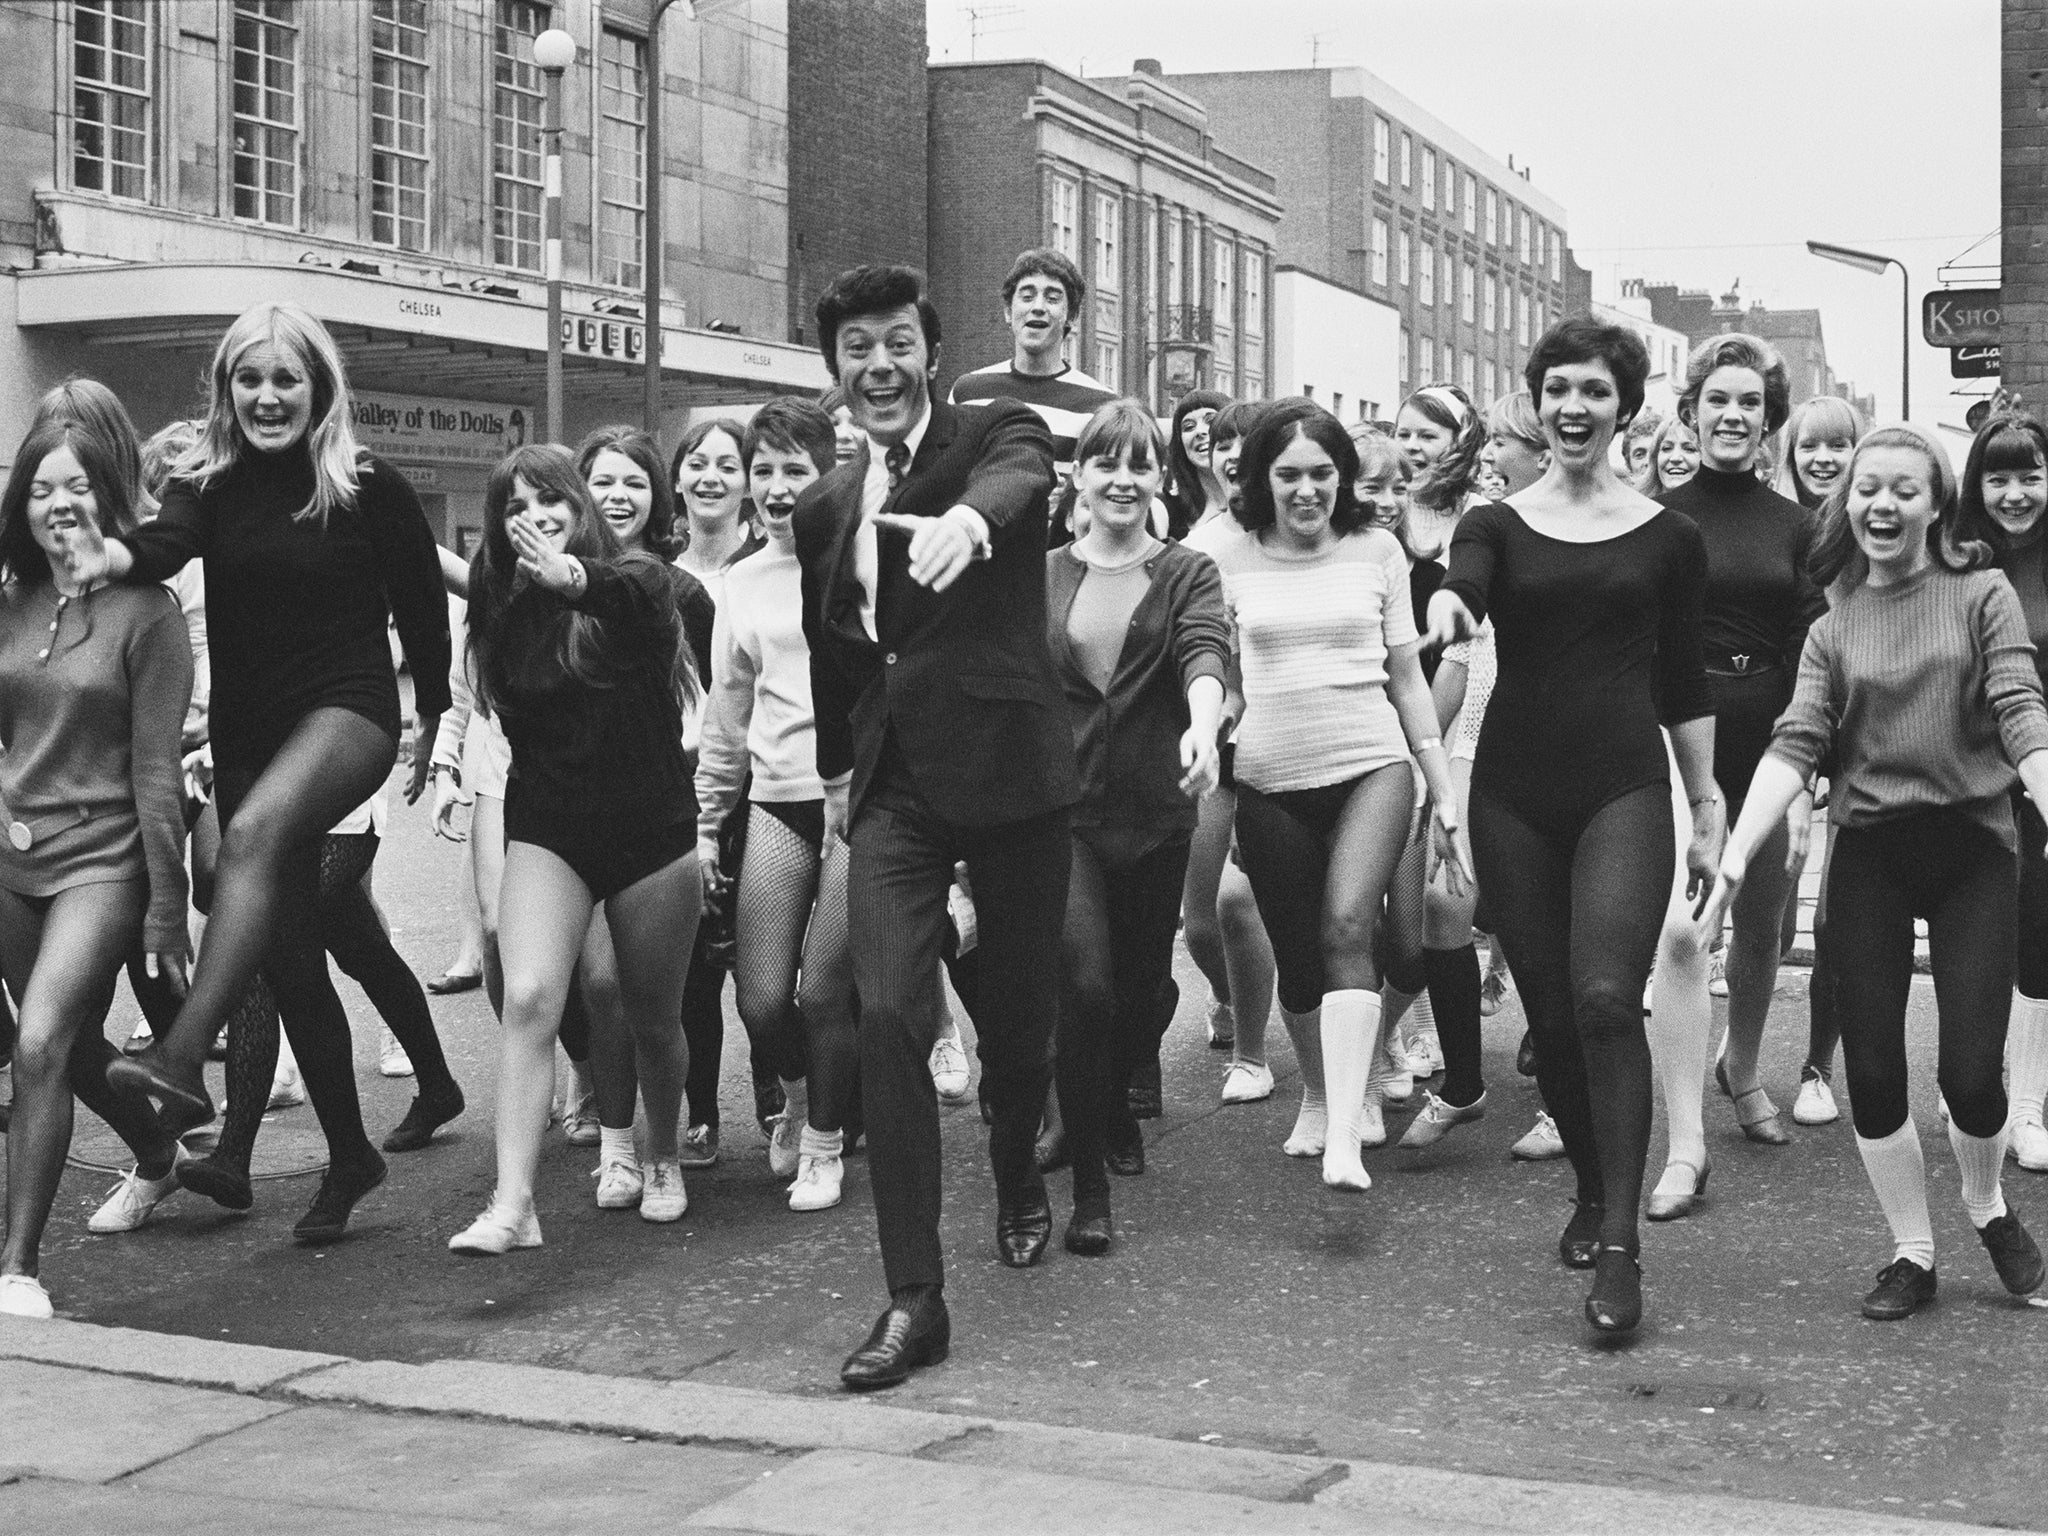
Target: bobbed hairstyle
x,y
1444,485
330,439
101,459
1515,416
1278,427
2008,441
1829,414
1183,474
1379,454
99,408
1044,261
524,639
693,439
1582,339
792,424
165,447
1236,419
660,532
1738,349
1119,427
1836,562
873,290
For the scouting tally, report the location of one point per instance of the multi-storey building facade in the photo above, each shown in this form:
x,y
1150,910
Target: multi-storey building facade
x,y
1174,235
380,162
1385,198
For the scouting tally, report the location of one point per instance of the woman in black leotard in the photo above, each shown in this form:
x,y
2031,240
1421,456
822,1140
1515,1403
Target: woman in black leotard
x,y
1759,603
1595,596
311,547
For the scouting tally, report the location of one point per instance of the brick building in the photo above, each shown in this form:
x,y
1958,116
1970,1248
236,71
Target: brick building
x,y
380,162
1387,199
1796,333
856,142
1174,235
2023,156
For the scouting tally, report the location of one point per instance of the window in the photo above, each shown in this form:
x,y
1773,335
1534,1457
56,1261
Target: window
x,y
1109,364
1380,135
1465,296
1450,368
1407,372
1337,403
622,159
1066,217
1471,201
1492,384
516,103
1468,372
1522,222
1254,295
1407,159
1492,217
1492,304
267,111
1539,317
1176,288
1522,319
1225,260
110,97
1108,237
398,124
1407,270
1556,251
1450,194
1379,252
1428,177
1426,290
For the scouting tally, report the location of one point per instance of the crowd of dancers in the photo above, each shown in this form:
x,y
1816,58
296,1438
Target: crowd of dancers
x,y
1017,686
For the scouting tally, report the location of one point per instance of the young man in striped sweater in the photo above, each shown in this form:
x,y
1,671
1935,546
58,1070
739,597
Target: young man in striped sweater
x,y
1041,299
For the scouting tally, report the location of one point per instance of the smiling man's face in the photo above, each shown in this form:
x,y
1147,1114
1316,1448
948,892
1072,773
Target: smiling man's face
x,y
885,368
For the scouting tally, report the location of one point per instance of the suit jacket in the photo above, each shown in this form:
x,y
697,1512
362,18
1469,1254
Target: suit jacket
x,y
962,677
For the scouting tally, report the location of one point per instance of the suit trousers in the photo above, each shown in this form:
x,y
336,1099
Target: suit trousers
x,y
901,866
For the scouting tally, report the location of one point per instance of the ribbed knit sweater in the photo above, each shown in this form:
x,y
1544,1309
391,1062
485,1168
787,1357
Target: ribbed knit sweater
x,y
1926,692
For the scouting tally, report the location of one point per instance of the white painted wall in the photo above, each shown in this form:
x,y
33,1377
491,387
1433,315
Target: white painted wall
x,y
1331,341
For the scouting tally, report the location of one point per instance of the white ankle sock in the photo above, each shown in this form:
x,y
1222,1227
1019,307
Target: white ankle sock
x,y
821,1143
1305,1032
1422,1022
1351,1027
616,1144
796,1099
1898,1174
2026,1060
1980,1158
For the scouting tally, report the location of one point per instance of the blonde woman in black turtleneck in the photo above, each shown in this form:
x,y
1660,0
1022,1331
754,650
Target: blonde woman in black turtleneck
x,y
1759,603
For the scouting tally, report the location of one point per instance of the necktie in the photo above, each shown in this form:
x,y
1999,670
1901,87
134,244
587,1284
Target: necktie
x,y
897,462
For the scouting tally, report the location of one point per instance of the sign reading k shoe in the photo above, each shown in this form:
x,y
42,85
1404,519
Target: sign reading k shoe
x,y
1960,317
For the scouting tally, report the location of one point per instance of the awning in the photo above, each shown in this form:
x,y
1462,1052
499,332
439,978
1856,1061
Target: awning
x,y
404,336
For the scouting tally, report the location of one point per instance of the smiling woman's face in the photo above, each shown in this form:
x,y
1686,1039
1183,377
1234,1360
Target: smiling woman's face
x,y
273,397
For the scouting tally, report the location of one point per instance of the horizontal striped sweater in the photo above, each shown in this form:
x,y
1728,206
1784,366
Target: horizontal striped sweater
x,y
1064,401
1927,694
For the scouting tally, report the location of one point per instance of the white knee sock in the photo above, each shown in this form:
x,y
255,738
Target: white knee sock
x,y
1312,1122
1980,1158
1351,1027
796,1099
2026,1060
616,1144
1898,1174
1680,1025
821,1143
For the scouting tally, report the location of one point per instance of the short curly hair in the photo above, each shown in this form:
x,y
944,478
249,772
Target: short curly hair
x,y
1738,350
1582,339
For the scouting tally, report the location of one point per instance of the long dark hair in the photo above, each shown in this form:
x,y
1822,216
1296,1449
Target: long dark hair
x,y
102,460
523,639
2009,440
1185,498
660,533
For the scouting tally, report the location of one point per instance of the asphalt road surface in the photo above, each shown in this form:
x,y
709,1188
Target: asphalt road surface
x,y
1426,1321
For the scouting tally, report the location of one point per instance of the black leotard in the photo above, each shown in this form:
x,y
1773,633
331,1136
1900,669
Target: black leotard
x,y
1760,602
1599,643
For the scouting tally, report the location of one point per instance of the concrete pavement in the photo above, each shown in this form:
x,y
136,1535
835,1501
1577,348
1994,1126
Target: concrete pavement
x,y
114,1430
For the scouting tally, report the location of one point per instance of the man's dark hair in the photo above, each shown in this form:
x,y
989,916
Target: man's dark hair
x,y
1044,261
872,290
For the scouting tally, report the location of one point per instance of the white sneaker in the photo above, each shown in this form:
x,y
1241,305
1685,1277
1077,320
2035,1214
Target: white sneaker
x,y
1389,1078
817,1184
949,1067
129,1204
663,1198
287,1089
1247,1082
1541,1144
1437,1118
619,1184
785,1145
498,1231
1816,1102
1372,1122
2028,1145
1423,1054
1494,988
1311,1131
393,1062
142,1036
1717,973
960,907
24,1296
1222,1026
580,1126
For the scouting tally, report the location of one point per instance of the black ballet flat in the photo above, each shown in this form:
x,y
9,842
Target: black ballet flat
x,y
1615,1304
1088,1230
428,1114
1581,1241
180,1089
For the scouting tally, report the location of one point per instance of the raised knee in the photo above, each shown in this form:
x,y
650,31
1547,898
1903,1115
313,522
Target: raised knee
x,y
1606,1005
38,1054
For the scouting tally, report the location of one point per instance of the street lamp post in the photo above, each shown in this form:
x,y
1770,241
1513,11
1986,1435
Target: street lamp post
x,y
553,52
1871,262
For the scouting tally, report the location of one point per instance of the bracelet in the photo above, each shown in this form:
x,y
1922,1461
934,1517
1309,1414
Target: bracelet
x,y
1711,797
1426,743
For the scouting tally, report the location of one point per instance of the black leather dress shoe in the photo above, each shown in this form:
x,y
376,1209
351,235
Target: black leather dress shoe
x,y
1088,1231
903,1338
1023,1228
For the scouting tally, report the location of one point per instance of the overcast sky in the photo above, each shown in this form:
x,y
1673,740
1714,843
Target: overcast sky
x,y
1691,142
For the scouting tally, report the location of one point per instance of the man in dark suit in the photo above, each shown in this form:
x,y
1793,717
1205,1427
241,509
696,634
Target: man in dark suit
x,y
942,736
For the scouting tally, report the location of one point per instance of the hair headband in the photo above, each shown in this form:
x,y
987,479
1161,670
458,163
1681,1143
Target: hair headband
x,y
1447,397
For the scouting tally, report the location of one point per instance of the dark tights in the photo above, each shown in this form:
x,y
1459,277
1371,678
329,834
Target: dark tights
x,y
354,935
1579,917
1118,944
1942,866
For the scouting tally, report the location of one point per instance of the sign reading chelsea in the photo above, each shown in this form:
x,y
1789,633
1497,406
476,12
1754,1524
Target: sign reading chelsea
x,y
417,429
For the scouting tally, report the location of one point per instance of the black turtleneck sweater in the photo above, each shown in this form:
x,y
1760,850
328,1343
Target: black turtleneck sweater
x,y
296,613
1760,599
